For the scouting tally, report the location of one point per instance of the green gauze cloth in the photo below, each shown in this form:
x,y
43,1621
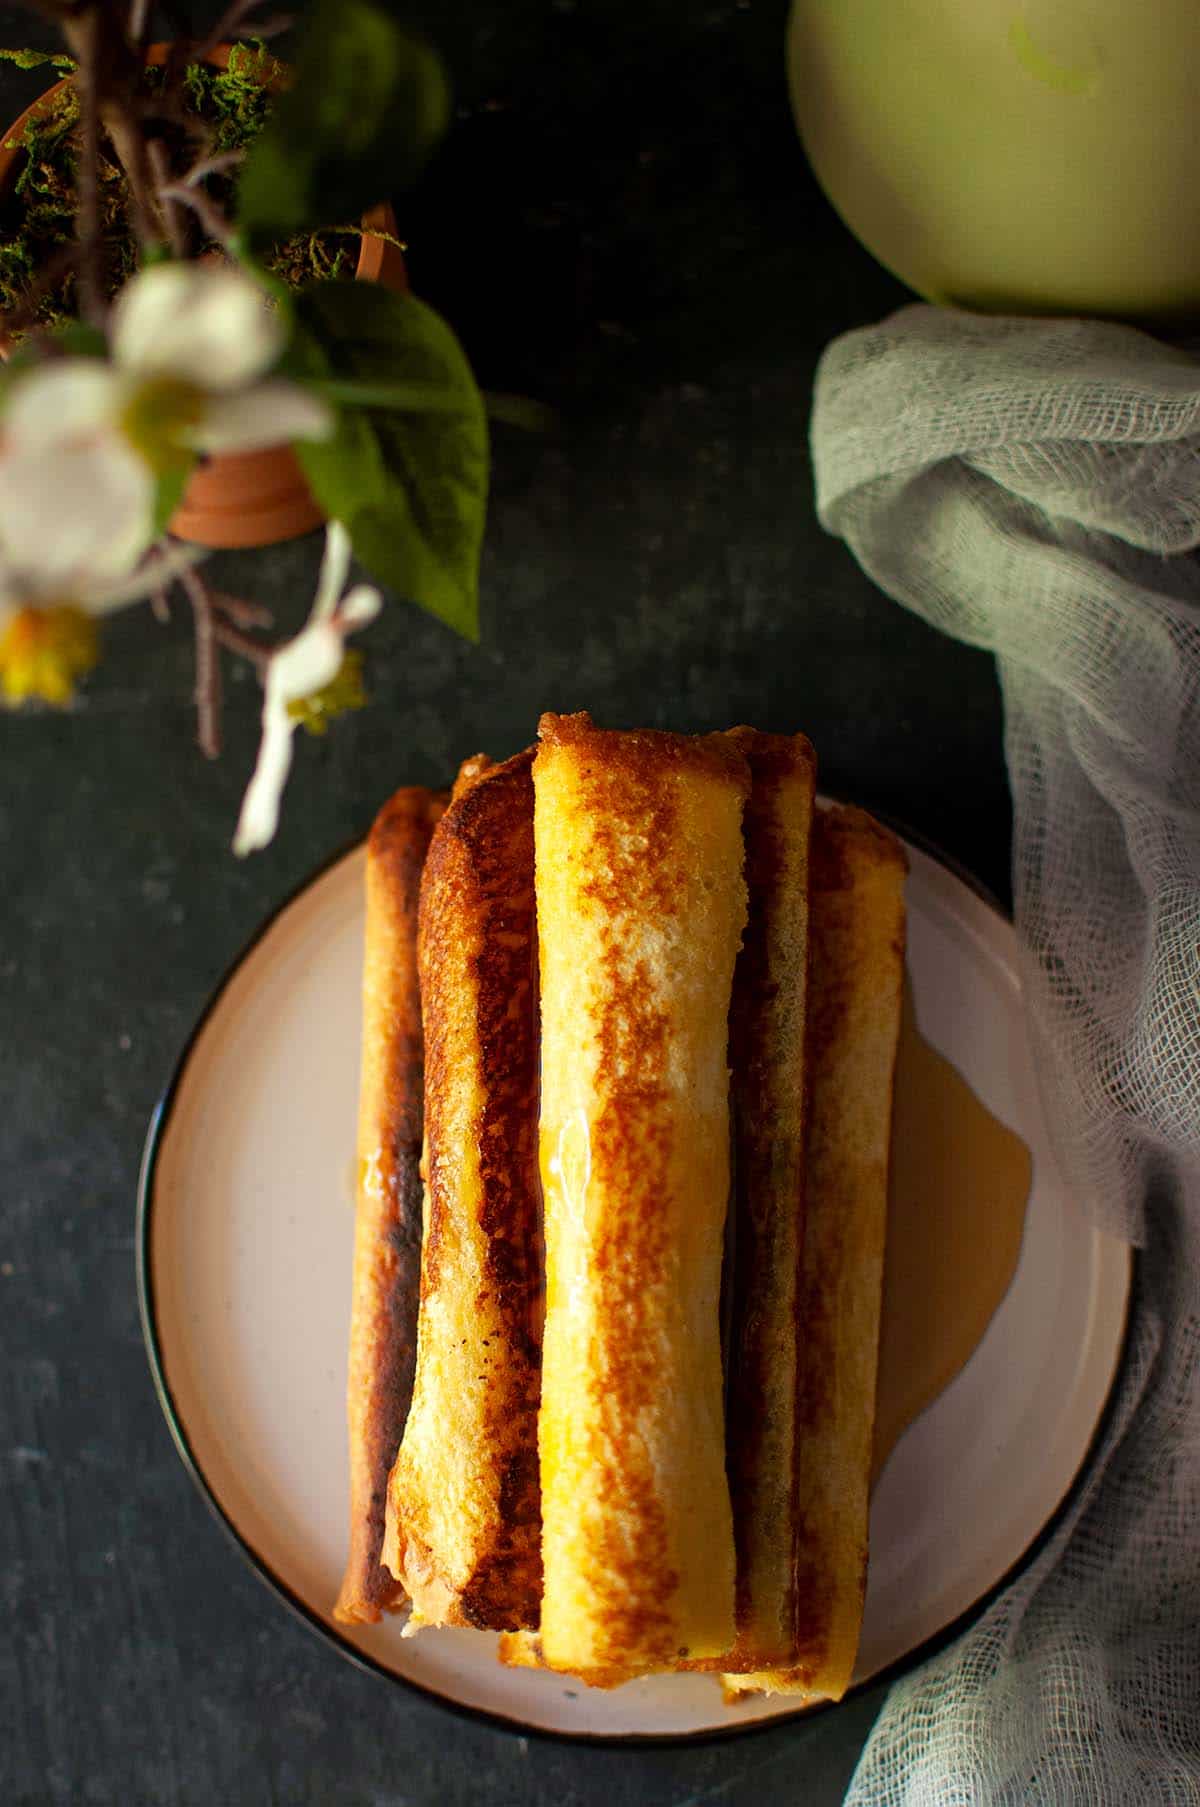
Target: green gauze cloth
x,y
1033,487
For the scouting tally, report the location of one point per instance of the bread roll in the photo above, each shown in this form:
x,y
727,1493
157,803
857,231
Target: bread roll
x,y
641,903
387,1236
856,926
463,1526
767,1057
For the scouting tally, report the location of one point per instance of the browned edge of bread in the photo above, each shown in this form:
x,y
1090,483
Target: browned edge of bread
x,y
478,892
765,1248
858,938
626,748
387,1253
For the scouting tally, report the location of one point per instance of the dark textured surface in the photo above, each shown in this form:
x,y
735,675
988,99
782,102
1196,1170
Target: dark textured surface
x,y
622,223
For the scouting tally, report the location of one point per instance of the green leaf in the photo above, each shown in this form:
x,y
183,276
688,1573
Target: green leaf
x,y
409,481
367,105
168,493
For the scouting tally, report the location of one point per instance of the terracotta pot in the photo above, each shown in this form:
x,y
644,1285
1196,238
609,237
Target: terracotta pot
x,y
258,498
245,498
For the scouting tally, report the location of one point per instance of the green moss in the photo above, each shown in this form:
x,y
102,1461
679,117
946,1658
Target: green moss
x,y
38,59
37,214
37,218
234,102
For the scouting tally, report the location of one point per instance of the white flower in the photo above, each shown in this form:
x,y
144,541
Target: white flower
x,y
74,527
190,343
74,521
304,666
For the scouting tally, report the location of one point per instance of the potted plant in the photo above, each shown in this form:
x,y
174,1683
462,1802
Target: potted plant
x,y
243,498
197,314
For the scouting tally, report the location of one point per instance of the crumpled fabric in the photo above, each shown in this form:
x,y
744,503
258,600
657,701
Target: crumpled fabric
x,y
1033,487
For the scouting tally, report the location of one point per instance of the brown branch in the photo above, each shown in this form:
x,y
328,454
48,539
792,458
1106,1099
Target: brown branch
x,y
131,148
208,664
108,78
231,616
90,271
242,644
204,207
160,607
173,219
212,166
241,613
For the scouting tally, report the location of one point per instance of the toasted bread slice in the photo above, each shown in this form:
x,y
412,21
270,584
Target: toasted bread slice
x,y
767,1020
463,1525
857,929
767,1058
641,903
387,1234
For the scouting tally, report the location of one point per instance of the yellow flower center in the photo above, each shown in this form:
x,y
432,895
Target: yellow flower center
x,y
158,418
343,692
43,652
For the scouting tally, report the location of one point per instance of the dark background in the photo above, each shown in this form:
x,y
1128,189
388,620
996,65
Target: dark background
x,y
621,224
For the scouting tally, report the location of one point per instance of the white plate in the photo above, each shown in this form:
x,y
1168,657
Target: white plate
x,y
245,1253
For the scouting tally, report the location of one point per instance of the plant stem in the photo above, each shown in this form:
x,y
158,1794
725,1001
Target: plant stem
x,y
215,225
240,612
108,77
208,665
130,146
156,156
139,23
213,166
87,200
242,644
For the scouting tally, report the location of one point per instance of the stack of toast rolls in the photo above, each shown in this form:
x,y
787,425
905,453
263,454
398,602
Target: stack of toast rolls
x,y
649,994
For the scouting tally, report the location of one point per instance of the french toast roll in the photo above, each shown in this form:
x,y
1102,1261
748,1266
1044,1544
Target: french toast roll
x,y
523,1650
857,934
641,903
767,1059
463,1526
387,1233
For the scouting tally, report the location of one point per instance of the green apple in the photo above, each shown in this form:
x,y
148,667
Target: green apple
x,y
1035,158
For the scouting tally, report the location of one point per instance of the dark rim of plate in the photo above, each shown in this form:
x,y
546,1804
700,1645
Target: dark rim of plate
x,y
795,1720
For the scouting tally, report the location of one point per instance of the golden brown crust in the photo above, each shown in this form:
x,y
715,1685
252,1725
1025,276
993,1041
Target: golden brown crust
x,y
463,1521
635,750
640,905
857,926
853,849
469,773
387,1244
767,1060
523,1650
